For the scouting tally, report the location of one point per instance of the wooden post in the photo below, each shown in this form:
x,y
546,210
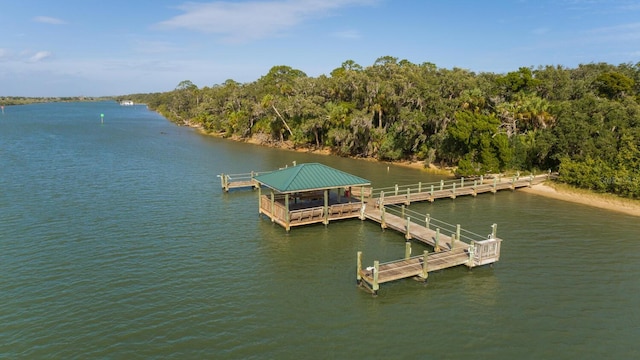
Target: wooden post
x,y
286,214
472,248
462,181
222,182
425,272
402,211
427,220
383,224
495,185
530,180
375,286
494,229
475,188
407,235
381,199
326,207
407,250
481,179
431,193
436,248
441,185
458,232
513,183
259,200
273,206
419,186
453,196
359,268
408,201
396,190
363,207
453,241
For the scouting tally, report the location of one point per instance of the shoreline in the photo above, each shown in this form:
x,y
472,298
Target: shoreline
x,y
551,190
586,197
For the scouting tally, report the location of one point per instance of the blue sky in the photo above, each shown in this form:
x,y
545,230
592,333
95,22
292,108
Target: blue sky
x,y
116,47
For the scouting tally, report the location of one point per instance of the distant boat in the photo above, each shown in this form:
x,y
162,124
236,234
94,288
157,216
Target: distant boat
x,y
126,103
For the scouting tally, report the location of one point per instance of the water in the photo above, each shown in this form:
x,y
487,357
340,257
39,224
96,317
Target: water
x,y
116,241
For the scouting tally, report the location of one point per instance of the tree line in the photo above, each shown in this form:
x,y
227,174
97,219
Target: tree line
x,y
582,122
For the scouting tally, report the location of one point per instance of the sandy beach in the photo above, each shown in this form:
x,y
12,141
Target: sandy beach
x,y
603,201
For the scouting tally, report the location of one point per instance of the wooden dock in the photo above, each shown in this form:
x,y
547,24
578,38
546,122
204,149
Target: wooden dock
x,y
452,246
460,248
450,189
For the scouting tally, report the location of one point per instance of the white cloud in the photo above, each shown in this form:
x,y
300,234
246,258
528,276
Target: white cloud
x,y
49,20
251,20
39,56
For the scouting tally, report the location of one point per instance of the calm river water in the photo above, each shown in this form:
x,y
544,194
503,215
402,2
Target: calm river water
x,y
116,241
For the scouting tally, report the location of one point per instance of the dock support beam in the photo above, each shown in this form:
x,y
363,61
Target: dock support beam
x,y
359,268
375,286
407,250
407,235
425,272
436,248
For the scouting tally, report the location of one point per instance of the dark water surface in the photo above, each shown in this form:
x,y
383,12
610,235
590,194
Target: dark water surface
x,y
116,241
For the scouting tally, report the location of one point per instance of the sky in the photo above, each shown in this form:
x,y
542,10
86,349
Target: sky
x,y
120,47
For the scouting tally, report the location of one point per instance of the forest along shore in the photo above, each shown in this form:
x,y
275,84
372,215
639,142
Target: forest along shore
x,y
602,201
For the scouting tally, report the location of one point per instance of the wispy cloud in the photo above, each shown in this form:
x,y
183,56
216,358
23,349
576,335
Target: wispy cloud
x,y
49,20
347,34
39,56
622,32
251,20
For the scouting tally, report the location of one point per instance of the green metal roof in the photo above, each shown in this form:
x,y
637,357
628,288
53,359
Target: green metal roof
x,y
307,177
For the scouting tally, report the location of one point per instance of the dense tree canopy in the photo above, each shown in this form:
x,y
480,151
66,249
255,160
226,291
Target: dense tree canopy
x,y
582,121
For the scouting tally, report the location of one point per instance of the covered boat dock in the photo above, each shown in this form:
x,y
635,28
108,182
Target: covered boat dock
x,y
310,193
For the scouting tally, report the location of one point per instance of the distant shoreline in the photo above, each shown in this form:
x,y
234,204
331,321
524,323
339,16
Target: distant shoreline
x,y
586,197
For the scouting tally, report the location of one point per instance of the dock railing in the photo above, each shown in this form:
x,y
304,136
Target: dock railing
x,y
431,188
425,220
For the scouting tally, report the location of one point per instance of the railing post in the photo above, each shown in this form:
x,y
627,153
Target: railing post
x,y
453,196
407,250
441,185
472,247
381,199
408,196
419,186
494,229
453,241
375,286
359,268
431,193
425,270
286,214
481,179
458,231
402,211
427,220
383,224
475,187
273,207
495,185
396,190
436,248
407,235
462,181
